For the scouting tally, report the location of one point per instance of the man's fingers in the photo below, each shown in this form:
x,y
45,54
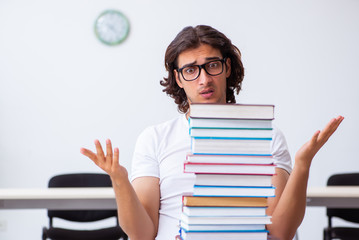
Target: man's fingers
x,y
335,124
116,156
104,162
330,128
89,154
315,137
99,150
108,148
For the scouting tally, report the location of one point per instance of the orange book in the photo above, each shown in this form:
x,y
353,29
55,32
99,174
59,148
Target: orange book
x,y
225,201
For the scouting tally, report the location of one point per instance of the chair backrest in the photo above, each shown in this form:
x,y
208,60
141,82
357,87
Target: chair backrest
x,y
81,180
345,179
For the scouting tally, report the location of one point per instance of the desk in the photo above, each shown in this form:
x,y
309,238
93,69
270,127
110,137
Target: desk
x,y
338,197
57,198
104,198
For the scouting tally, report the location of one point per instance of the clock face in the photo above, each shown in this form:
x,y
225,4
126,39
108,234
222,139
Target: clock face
x,y
112,27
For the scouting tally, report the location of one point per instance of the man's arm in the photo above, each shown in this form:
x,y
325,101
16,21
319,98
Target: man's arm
x,y
137,204
288,207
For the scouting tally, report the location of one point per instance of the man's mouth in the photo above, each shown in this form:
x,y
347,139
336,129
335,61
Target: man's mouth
x,y
207,93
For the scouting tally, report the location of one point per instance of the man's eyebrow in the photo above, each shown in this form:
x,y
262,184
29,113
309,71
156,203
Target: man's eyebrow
x,y
207,59
212,58
188,64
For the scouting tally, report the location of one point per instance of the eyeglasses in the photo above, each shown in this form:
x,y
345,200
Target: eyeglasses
x,y
213,68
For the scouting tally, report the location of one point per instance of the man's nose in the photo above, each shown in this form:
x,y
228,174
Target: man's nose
x,y
204,77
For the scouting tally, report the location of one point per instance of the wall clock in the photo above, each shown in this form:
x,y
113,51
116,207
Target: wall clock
x,y
112,27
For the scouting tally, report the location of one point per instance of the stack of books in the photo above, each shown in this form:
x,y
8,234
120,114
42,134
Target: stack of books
x,y
232,162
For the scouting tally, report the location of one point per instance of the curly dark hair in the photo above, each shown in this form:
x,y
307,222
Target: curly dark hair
x,y
193,37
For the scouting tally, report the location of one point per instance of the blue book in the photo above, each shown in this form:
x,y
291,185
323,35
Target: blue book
x,y
220,235
221,227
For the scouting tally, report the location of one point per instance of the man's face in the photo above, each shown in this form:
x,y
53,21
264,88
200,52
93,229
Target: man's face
x,y
206,88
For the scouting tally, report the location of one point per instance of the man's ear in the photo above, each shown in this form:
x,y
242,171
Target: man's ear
x,y
228,67
179,83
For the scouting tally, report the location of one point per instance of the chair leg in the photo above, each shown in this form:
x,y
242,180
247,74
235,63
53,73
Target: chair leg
x,y
326,234
44,235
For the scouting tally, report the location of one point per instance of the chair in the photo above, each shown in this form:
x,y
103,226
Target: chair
x,y
82,180
351,215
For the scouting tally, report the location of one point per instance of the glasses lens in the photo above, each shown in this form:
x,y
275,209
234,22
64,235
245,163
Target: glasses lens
x,y
190,73
214,68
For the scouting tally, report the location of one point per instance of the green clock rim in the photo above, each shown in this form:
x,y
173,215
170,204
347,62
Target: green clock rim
x,y
126,32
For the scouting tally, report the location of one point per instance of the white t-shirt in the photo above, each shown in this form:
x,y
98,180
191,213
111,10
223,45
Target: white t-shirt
x,y
160,152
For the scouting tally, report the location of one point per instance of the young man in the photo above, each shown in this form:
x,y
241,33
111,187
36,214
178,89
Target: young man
x,y
203,67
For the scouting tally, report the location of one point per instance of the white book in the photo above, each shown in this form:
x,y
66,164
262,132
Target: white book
x,y
225,220
224,211
233,180
231,133
229,191
241,111
231,146
229,123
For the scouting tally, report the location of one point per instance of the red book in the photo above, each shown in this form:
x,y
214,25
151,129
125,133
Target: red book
x,y
229,168
236,159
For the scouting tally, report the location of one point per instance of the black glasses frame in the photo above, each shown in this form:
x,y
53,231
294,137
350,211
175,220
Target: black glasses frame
x,y
202,66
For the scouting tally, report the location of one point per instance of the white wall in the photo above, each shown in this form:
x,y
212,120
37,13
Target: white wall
x,y
60,88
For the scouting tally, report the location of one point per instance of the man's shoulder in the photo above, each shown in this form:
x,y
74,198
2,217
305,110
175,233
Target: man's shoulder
x,y
277,132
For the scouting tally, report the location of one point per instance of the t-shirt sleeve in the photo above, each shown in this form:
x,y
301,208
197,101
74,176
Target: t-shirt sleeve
x,y
144,161
280,151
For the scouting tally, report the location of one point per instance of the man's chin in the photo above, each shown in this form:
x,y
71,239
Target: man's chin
x,y
212,100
